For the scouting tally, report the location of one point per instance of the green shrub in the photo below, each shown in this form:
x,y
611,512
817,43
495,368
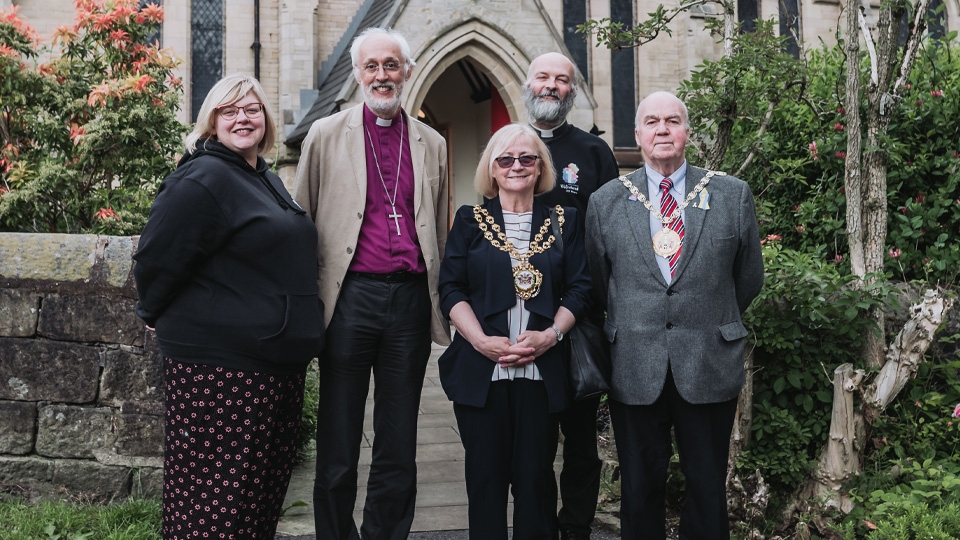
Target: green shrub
x,y
306,441
808,319
86,138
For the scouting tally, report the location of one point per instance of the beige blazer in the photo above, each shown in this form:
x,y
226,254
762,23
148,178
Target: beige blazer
x,y
331,185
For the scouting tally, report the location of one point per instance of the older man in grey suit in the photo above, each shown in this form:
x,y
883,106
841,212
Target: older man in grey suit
x,y
676,255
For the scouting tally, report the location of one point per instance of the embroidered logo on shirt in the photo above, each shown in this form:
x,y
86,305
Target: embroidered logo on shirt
x,y
570,173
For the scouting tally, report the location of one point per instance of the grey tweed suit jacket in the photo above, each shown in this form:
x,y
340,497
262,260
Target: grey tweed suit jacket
x,y
693,325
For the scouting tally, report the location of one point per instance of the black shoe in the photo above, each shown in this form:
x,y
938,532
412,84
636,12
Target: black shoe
x,y
567,534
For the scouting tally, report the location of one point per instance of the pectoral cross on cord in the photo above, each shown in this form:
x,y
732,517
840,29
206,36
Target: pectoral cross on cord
x,y
396,187
395,217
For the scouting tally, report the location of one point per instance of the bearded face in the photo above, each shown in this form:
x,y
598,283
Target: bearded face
x,y
383,97
381,70
549,106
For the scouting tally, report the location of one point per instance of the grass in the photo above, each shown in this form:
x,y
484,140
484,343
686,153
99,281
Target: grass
x,y
133,519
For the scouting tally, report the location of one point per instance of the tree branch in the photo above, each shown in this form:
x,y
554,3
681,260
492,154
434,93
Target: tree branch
x,y
906,352
871,48
913,44
764,124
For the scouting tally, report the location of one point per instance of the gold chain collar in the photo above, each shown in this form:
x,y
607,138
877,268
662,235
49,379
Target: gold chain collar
x,y
526,278
667,220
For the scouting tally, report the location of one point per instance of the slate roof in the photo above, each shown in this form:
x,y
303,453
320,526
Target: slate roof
x,y
332,77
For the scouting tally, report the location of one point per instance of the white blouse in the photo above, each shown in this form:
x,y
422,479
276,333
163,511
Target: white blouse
x,y
517,229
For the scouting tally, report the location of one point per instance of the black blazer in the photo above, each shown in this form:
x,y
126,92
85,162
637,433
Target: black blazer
x,y
480,274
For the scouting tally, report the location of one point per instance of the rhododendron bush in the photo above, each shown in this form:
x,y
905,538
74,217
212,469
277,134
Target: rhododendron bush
x,y
88,122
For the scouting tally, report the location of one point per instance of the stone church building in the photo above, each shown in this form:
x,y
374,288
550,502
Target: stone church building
x,y
471,58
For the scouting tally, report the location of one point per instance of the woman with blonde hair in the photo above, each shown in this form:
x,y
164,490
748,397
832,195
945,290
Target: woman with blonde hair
x,y
226,272
512,288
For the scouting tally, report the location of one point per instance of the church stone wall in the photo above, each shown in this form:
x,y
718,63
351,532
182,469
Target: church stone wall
x,y
81,381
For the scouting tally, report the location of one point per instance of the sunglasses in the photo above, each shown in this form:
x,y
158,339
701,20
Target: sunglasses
x,y
506,162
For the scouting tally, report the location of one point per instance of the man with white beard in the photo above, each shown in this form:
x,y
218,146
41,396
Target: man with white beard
x,y
380,247
583,163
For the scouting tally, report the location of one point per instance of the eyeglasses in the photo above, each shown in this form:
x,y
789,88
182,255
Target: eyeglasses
x,y
506,162
373,68
229,112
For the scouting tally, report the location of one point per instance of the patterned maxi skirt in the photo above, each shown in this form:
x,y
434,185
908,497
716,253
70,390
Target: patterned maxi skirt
x,y
229,450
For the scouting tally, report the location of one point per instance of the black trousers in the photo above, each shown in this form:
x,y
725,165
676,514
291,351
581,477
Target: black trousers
x,y
580,476
643,444
509,446
384,328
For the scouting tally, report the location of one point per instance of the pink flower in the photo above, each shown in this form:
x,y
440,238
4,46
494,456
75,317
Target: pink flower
x,y
841,154
771,238
920,198
838,258
799,228
936,93
894,253
119,38
813,150
956,411
919,102
956,154
76,133
903,209
839,127
909,86
106,213
796,208
841,110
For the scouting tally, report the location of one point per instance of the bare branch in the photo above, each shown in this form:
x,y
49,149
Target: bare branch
x,y
871,48
913,44
764,124
905,354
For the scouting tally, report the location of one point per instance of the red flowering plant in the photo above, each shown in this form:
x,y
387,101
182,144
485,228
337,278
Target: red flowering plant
x,y
103,129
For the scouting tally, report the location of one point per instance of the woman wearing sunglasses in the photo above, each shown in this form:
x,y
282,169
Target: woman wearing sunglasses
x,y
226,271
512,289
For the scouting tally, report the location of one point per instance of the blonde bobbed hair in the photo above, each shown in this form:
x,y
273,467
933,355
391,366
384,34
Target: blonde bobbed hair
x,y
484,181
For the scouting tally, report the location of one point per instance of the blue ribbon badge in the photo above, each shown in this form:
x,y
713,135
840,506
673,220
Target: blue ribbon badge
x,y
704,200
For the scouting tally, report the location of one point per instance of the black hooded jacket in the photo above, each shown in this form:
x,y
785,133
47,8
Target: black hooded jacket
x,y
226,268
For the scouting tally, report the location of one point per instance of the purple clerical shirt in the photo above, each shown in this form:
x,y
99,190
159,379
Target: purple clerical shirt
x,y
380,250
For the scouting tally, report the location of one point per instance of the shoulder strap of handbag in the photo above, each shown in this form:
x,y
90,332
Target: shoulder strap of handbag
x,y
555,225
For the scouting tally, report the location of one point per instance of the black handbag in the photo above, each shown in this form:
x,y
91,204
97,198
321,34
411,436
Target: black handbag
x,y
587,353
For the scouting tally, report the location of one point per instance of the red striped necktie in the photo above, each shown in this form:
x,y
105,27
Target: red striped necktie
x,y
667,205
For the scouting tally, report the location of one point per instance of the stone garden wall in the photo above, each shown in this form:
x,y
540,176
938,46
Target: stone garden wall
x,y
80,378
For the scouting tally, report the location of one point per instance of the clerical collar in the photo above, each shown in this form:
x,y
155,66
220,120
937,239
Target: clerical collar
x,y
551,133
372,118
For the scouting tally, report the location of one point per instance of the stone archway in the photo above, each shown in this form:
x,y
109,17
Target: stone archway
x,y
498,55
439,90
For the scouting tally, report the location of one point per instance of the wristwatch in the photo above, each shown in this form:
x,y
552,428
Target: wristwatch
x,y
559,333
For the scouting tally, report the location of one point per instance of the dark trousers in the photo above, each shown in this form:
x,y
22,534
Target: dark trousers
x,y
580,477
383,327
509,445
643,444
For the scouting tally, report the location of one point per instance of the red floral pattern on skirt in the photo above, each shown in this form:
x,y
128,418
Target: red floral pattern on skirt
x,y
229,452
